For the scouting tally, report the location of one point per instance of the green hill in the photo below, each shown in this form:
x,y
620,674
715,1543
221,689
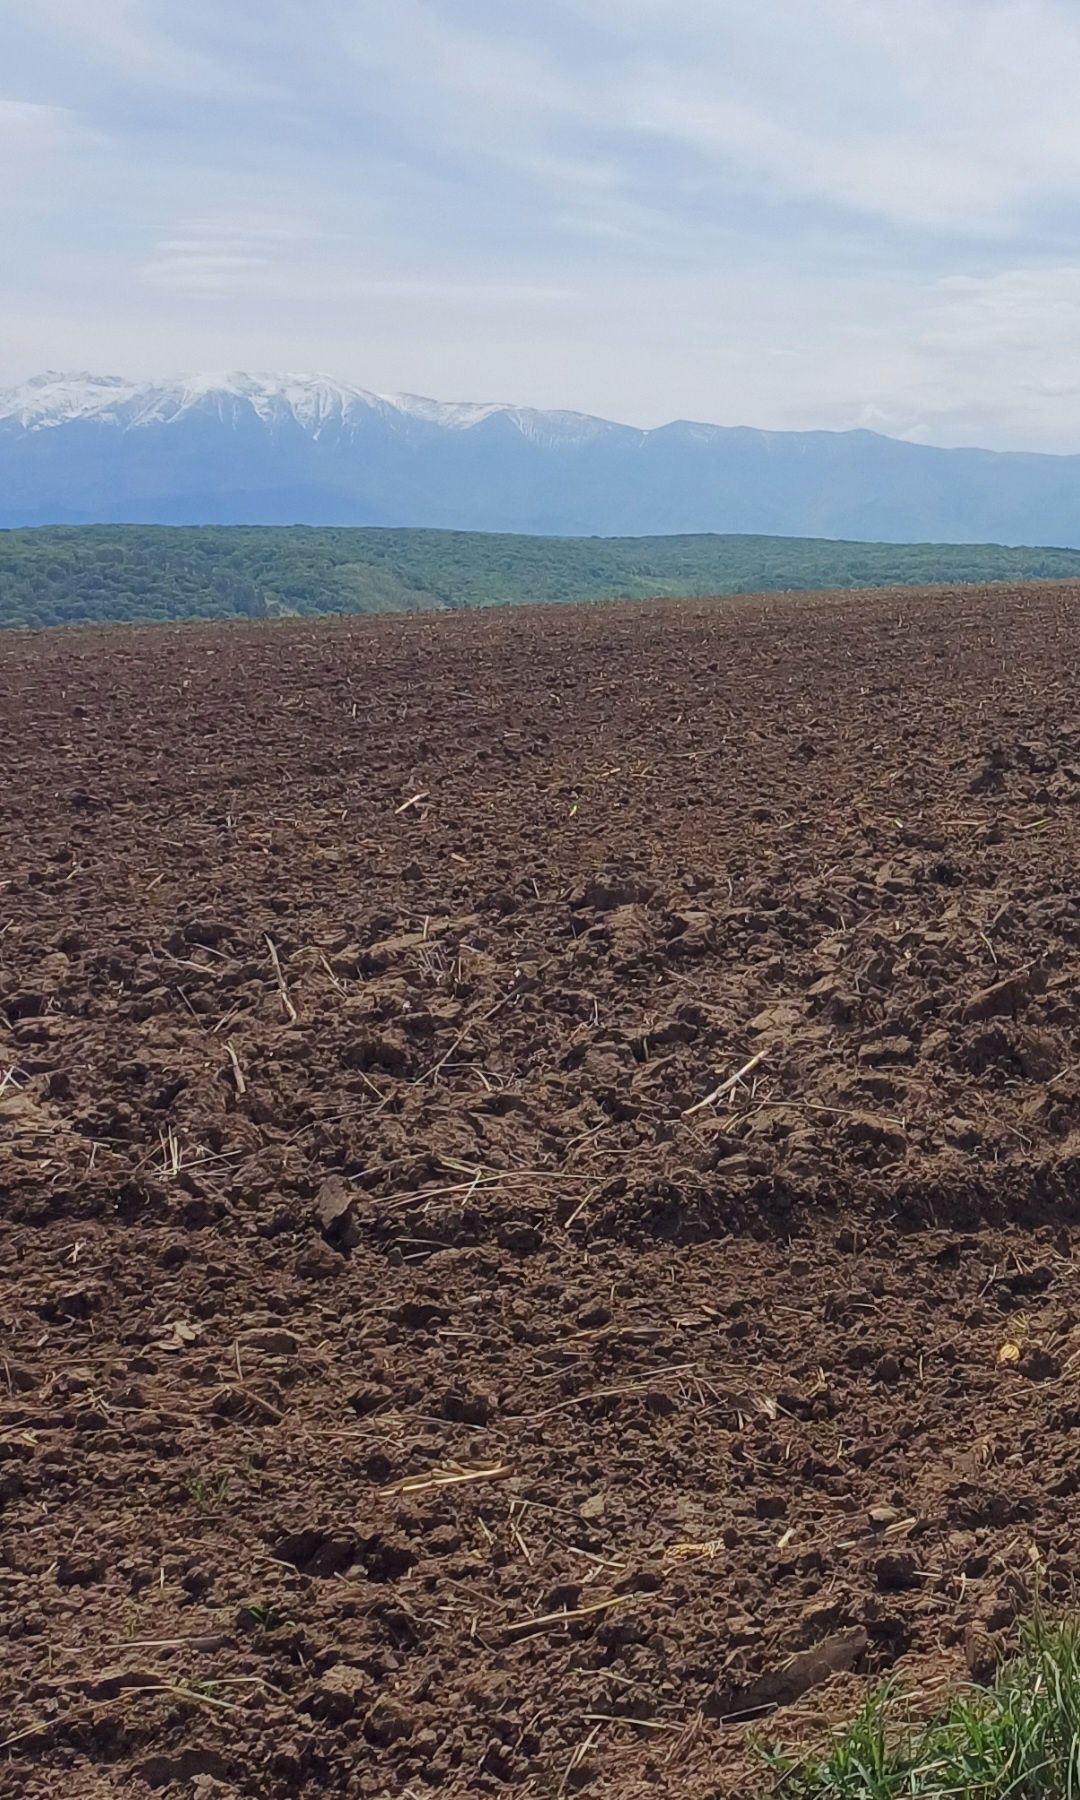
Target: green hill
x,y
100,574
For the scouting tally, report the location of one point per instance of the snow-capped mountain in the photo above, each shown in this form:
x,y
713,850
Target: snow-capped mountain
x,y
304,449
313,402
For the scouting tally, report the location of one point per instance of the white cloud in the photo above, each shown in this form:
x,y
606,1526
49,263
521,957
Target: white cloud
x,y
36,140
785,212
202,274
944,115
30,125
283,258
44,150
215,254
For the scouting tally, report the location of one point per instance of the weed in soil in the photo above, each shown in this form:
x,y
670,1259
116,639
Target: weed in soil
x,y
1019,1741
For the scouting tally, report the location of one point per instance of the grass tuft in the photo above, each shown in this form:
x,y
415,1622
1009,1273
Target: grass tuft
x,y
209,1494
1019,1740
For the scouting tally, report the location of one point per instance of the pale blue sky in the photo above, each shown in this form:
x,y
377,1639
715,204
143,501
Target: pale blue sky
x,y
773,212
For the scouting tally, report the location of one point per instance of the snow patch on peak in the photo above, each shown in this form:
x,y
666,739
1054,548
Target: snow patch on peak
x,y
452,415
541,427
58,398
566,427
311,402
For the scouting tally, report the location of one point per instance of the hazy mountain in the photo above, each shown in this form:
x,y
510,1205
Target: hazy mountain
x,y
254,449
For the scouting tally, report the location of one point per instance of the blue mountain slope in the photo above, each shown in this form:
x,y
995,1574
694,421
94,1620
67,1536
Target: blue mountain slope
x,y
242,449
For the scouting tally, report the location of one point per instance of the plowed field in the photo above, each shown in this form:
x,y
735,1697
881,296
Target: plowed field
x,y
407,1384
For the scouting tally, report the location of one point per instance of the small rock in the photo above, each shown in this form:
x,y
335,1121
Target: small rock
x,y
520,1237
19,1378
593,1318
882,1516
982,1653
370,1399
421,1315
1004,999
468,1407
1029,1281
74,1302
896,1571
787,1684
342,1691
315,1552
776,1020
1039,1365
185,1765
961,1133
387,1556
334,1210
660,1404
876,1133
271,1343
387,1722
286,1762
108,1683
80,1571
886,1052
318,1264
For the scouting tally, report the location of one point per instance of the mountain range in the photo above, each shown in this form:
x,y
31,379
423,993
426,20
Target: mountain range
x,y
303,449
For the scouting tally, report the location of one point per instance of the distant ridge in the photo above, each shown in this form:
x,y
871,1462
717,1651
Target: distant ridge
x,y
99,574
305,449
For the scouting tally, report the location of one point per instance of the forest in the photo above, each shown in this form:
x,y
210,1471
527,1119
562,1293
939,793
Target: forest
x,y
83,575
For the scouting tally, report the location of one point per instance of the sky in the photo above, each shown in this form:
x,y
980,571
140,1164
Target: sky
x,y
782,213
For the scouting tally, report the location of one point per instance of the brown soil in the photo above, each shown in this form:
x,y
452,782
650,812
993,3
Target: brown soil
x,y
402,1389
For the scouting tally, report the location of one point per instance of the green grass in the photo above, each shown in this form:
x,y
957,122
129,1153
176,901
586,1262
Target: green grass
x,y
100,574
210,1495
263,1615
1019,1740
